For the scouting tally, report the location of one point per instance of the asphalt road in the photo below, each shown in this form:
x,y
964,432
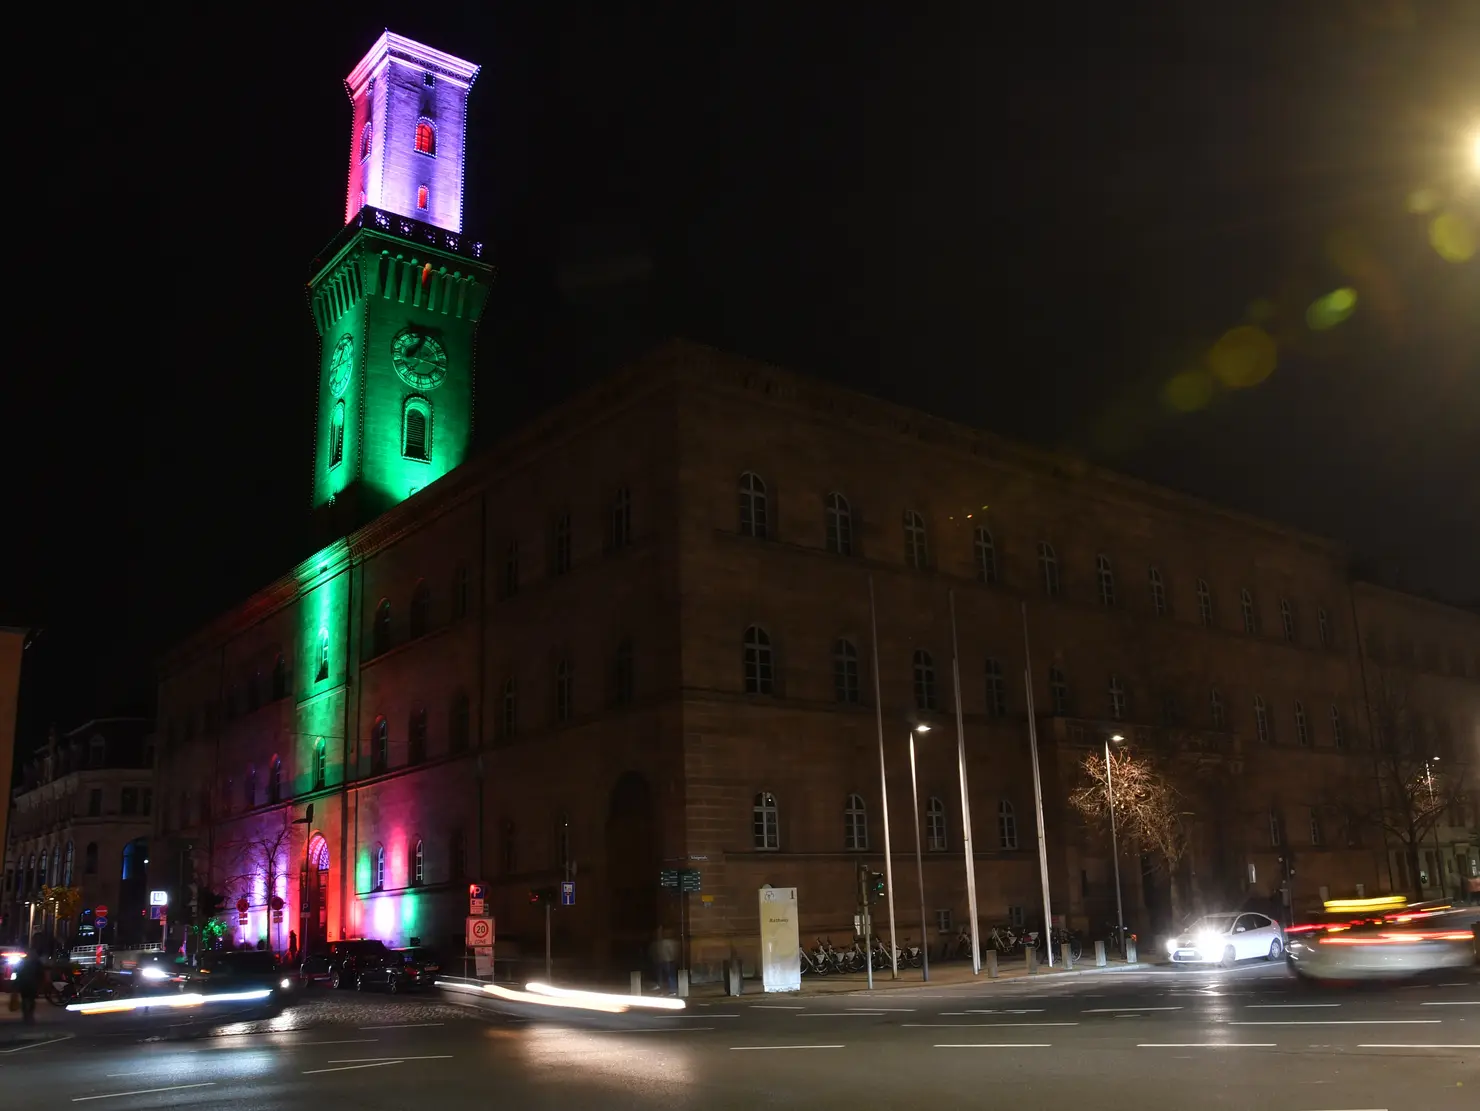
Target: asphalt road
x,y
1247,1038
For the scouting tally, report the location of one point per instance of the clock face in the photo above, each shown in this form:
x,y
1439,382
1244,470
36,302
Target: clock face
x,y
341,363
420,360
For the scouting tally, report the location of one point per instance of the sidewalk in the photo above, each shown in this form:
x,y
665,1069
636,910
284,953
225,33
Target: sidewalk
x,y
51,1022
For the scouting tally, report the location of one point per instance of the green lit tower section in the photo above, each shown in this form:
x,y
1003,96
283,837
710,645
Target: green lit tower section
x,y
396,297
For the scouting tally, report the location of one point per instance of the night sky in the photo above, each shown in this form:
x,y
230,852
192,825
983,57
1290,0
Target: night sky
x,y
1028,217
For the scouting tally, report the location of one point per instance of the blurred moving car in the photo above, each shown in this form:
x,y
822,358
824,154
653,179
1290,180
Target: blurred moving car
x,y
1384,939
342,965
239,970
1228,938
406,970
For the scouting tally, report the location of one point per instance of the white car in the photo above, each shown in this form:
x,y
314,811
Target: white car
x,y
1226,938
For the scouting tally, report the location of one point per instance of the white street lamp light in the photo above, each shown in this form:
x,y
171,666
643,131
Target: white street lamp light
x,y
919,861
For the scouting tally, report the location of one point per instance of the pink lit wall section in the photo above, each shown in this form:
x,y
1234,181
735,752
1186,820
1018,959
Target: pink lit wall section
x,y
399,84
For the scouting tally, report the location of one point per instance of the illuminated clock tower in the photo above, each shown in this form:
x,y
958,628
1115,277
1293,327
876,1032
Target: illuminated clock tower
x,y
397,295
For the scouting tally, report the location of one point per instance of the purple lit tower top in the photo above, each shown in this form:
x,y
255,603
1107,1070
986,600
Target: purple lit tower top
x,y
406,147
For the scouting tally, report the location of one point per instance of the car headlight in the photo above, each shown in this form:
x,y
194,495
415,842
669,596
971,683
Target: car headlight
x,y
153,972
1172,946
285,983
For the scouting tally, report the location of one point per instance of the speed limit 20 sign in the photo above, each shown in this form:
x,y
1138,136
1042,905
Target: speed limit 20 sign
x,y
479,931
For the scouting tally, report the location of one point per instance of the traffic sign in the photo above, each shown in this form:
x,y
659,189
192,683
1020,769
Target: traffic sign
x,y
479,930
277,916
567,893
688,880
276,902
159,898
101,910
477,907
241,918
668,877
242,905
101,920
476,891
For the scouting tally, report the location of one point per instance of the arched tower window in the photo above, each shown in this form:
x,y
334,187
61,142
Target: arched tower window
x,y
380,745
418,863
759,662
320,764
323,672
365,133
381,638
416,430
426,137
336,435
378,878
838,519
423,197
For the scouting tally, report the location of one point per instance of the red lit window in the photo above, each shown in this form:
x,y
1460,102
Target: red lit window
x,y
426,137
421,196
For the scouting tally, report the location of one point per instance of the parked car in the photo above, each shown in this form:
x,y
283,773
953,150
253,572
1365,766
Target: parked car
x,y
342,965
406,970
238,970
1228,938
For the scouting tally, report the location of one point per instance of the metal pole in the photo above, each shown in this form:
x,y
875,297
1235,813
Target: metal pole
x,y
547,944
883,792
1114,849
1037,793
976,950
919,861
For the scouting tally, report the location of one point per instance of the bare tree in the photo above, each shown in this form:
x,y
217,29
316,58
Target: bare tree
x,y
1416,782
263,854
1150,815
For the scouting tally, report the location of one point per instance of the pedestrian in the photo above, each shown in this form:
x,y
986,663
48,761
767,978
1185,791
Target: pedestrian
x,y
28,977
292,946
665,961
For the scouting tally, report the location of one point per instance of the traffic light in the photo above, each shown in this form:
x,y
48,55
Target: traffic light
x,y
875,886
208,904
543,896
862,878
1287,865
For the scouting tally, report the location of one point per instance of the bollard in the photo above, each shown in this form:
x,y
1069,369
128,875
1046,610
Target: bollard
x,y
1065,956
991,964
733,982
1032,960
1099,954
1130,951
683,983
636,983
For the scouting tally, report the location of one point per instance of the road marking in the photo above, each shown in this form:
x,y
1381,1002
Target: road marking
x,y
33,1045
344,1041
995,1045
349,1068
1454,1003
145,1091
403,1026
754,1047
775,1007
1338,1022
1414,1045
981,1025
371,1060
1272,1006
890,1010
651,1030
840,1014
1113,1010
1205,1045
706,1018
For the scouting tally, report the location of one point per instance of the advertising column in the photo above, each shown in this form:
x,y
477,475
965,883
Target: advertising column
x,y
781,950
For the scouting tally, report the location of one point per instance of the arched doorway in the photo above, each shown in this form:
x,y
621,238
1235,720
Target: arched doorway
x,y
316,896
632,868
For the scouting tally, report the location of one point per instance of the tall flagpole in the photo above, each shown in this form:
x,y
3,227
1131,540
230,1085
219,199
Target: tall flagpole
x,y
976,952
873,622
1037,792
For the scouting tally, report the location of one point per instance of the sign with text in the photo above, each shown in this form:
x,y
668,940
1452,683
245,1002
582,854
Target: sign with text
x,y
479,931
159,898
567,893
688,880
781,947
483,962
477,901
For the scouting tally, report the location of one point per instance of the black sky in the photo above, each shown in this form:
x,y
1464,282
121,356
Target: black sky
x,y
1026,218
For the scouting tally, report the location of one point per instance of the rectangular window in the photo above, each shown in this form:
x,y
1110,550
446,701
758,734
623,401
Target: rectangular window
x,y
943,921
1015,916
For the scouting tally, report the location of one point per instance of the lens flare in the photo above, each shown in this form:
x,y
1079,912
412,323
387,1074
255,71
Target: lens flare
x,y
1243,357
1328,311
1452,237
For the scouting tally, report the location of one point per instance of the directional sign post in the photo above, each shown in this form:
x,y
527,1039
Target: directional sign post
x,y
567,893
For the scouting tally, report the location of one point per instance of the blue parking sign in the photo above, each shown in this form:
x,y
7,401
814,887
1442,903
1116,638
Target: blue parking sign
x,y
567,893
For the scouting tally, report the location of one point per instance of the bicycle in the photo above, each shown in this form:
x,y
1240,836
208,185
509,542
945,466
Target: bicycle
x,y
1057,937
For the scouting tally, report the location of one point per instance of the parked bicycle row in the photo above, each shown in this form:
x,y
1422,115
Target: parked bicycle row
x,y
1005,940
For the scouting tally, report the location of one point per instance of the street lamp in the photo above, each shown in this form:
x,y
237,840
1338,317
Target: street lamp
x,y
1114,738
919,861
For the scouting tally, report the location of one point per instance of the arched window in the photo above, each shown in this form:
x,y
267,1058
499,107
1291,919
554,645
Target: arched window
x,y
457,722
1204,604
423,195
1338,738
279,677
1007,833
421,609
1276,829
416,430
754,517
1287,619
564,688
855,825
986,555
838,523
1117,699
758,662
1302,728
623,674
365,135
381,637
509,712
924,669
426,137
621,532
845,672
320,765
336,435
916,551
1317,835
416,736
461,591
996,689
90,859
1216,711
377,877
1058,692
1158,592
765,822
935,825
380,745
1105,576
1048,564
1323,631
323,671
275,781
68,863
418,863
1246,603
1261,720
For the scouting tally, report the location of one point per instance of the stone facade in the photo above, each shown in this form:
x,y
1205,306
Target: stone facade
x,y
593,660
81,818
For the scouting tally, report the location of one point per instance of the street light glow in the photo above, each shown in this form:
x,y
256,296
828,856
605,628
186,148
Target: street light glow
x,y
1116,738
922,728
1475,150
